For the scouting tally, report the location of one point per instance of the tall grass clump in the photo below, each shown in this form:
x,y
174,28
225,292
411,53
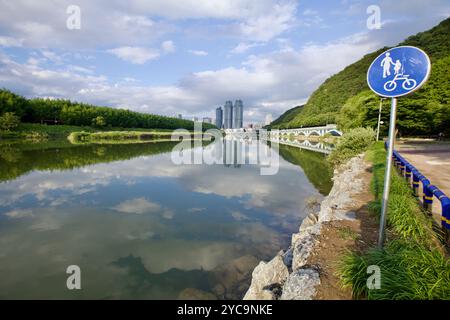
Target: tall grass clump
x,y
413,264
409,271
351,144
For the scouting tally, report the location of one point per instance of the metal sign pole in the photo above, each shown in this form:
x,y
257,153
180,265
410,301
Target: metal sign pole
x,y
387,175
379,119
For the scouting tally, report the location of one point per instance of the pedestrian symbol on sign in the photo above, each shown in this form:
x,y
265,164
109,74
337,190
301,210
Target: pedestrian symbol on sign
x,y
398,71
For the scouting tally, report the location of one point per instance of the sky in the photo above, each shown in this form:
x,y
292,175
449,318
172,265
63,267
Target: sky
x,y
188,57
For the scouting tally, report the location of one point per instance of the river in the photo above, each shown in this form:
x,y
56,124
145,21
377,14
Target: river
x,y
140,226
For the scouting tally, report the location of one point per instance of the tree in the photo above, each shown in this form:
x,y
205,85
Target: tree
x,y
99,122
9,121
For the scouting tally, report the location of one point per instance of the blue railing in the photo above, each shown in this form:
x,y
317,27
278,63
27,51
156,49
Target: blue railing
x,y
429,191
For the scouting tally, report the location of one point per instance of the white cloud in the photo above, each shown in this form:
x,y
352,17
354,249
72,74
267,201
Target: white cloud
x,y
196,210
19,213
270,25
175,9
10,42
309,12
199,53
137,206
244,47
135,55
168,46
112,24
268,83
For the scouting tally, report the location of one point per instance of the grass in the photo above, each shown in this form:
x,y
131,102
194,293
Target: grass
x,y
31,131
413,264
347,233
409,271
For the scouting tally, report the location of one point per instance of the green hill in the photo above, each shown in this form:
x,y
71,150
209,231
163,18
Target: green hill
x,y
287,116
346,99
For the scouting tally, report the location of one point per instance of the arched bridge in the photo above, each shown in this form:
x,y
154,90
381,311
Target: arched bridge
x,y
311,131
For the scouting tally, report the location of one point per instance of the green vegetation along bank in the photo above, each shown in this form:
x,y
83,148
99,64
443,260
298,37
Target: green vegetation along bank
x,y
345,98
124,136
413,264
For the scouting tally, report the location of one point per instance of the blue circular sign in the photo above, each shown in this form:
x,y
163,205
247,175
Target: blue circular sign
x,y
398,71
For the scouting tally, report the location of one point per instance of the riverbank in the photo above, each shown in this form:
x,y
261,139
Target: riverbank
x,y
35,131
306,270
329,257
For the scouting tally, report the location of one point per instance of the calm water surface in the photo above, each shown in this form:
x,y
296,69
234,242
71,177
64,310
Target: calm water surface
x,y
139,226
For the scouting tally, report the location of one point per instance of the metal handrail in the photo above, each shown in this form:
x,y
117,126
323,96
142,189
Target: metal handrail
x,y
407,170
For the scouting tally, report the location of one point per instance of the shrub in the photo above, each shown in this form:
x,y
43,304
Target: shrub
x,y
9,121
99,122
351,144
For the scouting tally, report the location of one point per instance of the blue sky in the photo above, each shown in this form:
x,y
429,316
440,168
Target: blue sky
x,y
169,57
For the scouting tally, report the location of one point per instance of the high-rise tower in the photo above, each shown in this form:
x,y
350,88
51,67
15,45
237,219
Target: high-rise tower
x,y
238,116
219,117
228,115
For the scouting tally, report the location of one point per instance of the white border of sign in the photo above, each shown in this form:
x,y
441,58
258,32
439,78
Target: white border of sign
x,y
404,94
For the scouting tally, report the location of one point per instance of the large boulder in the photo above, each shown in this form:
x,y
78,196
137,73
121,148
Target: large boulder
x,y
303,245
265,276
301,285
310,220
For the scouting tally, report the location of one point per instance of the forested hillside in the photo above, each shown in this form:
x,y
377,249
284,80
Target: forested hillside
x,y
81,114
287,116
346,99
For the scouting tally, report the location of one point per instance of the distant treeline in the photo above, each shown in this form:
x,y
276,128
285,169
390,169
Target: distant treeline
x,y
40,110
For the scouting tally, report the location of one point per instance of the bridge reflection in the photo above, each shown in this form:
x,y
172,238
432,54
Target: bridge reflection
x,y
304,143
249,147
315,146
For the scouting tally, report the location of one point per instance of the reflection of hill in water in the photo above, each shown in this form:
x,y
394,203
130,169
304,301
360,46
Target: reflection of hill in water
x,y
314,164
18,159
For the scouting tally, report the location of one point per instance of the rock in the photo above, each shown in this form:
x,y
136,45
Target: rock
x,y
309,221
266,275
301,285
346,186
195,294
302,248
259,295
287,257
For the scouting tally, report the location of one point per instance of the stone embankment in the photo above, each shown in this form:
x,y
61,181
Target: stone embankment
x,y
288,275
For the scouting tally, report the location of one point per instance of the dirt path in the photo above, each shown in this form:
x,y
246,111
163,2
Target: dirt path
x,y
339,237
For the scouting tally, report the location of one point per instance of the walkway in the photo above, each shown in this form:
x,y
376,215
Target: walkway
x,y
432,159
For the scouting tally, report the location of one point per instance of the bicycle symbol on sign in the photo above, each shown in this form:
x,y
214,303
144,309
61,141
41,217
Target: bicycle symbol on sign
x,y
399,74
408,84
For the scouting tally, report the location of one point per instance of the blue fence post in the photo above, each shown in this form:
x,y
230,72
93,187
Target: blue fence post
x,y
395,159
416,182
445,219
408,172
402,167
445,214
427,196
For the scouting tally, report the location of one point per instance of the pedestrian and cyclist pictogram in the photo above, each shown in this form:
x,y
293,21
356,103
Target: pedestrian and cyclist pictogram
x,y
398,71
